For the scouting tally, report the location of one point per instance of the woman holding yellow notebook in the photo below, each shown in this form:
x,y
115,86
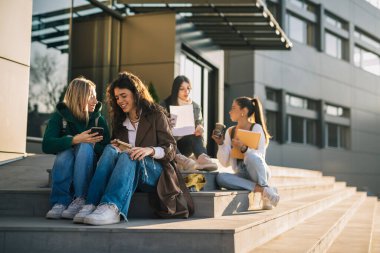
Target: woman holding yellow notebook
x,y
247,153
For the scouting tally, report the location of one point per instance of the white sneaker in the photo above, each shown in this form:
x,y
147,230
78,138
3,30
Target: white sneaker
x,y
271,194
184,163
267,205
73,208
103,215
56,211
205,163
86,210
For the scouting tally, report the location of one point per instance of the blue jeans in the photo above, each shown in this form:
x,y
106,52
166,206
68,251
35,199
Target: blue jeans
x,y
253,171
117,177
71,174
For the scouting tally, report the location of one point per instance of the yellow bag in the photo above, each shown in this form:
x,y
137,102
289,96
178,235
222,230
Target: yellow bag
x,y
196,181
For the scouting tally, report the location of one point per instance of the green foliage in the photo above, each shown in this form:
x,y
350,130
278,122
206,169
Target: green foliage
x,y
153,92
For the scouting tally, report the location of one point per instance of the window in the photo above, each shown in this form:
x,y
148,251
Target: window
x,y
302,130
300,102
367,38
337,136
271,94
271,119
367,60
336,22
335,46
301,30
305,5
296,129
337,111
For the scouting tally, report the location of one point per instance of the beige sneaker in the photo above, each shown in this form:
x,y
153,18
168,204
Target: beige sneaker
x,y
254,201
184,163
205,163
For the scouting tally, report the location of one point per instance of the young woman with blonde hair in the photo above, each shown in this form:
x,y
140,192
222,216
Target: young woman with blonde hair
x,y
252,172
68,135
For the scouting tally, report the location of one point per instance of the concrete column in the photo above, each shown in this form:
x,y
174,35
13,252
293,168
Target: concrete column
x,y
282,15
320,28
148,45
95,48
15,42
282,126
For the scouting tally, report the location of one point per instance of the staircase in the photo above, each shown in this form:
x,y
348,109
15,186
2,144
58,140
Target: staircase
x,y
315,214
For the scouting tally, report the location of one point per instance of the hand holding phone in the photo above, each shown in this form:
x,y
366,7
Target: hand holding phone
x,y
98,130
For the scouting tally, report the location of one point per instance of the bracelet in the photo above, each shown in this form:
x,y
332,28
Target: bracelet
x,y
243,149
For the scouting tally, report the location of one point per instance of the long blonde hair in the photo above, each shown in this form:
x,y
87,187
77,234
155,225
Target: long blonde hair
x,y
77,95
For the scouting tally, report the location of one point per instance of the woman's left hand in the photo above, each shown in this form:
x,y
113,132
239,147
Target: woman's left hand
x,y
138,153
237,143
199,131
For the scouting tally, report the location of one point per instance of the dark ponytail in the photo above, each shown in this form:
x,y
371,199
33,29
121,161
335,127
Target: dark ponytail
x,y
255,111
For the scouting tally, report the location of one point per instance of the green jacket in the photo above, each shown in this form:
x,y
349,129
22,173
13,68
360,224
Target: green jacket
x,y
56,139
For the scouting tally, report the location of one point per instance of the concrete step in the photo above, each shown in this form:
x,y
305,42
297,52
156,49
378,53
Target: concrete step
x,y
278,171
35,202
282,181
375,242
299,191
356,235
316,233
227,234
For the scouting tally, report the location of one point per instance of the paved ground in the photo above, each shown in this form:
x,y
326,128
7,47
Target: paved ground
x,y
27,173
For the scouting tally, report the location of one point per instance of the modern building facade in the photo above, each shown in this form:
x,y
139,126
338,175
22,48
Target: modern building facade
x,y
322,98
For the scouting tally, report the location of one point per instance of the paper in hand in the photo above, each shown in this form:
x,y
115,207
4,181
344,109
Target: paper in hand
x,y
185,120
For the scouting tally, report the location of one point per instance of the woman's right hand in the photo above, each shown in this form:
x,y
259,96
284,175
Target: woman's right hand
x,y
87,137
217,138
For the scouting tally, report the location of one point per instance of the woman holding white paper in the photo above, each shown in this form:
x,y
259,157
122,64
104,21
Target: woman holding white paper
x,y
251,171
193,143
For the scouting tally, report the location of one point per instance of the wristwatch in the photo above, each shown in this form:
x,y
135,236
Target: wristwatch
x,y
243,149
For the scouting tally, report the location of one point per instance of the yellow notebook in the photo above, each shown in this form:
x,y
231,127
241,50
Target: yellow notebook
x,y
249,139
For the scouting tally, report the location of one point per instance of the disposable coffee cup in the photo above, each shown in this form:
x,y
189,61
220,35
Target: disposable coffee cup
x,y
219,129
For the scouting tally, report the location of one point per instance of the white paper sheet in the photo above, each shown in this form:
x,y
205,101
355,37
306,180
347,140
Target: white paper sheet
x,y
185,120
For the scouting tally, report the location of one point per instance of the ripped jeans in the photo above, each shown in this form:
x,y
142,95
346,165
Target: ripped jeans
x,y
253,171
117,177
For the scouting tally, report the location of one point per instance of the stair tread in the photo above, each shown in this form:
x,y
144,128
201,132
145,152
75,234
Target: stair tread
x,y
376,230
231,223
356,235
304,236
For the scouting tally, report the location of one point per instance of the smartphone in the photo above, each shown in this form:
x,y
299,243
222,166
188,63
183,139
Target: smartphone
x,y
99,130
123,145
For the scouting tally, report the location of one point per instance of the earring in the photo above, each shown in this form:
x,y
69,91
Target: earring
x,y
242,114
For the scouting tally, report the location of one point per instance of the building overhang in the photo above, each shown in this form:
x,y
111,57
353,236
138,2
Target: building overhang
x,y
241,25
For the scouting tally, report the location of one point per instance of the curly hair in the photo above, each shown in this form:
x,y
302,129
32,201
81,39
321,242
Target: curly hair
x,y
143,99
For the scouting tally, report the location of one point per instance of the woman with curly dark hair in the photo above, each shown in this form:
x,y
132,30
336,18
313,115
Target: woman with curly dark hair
x,y
141,124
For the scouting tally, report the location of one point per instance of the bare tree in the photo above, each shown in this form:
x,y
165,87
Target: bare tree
x,y
45,82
